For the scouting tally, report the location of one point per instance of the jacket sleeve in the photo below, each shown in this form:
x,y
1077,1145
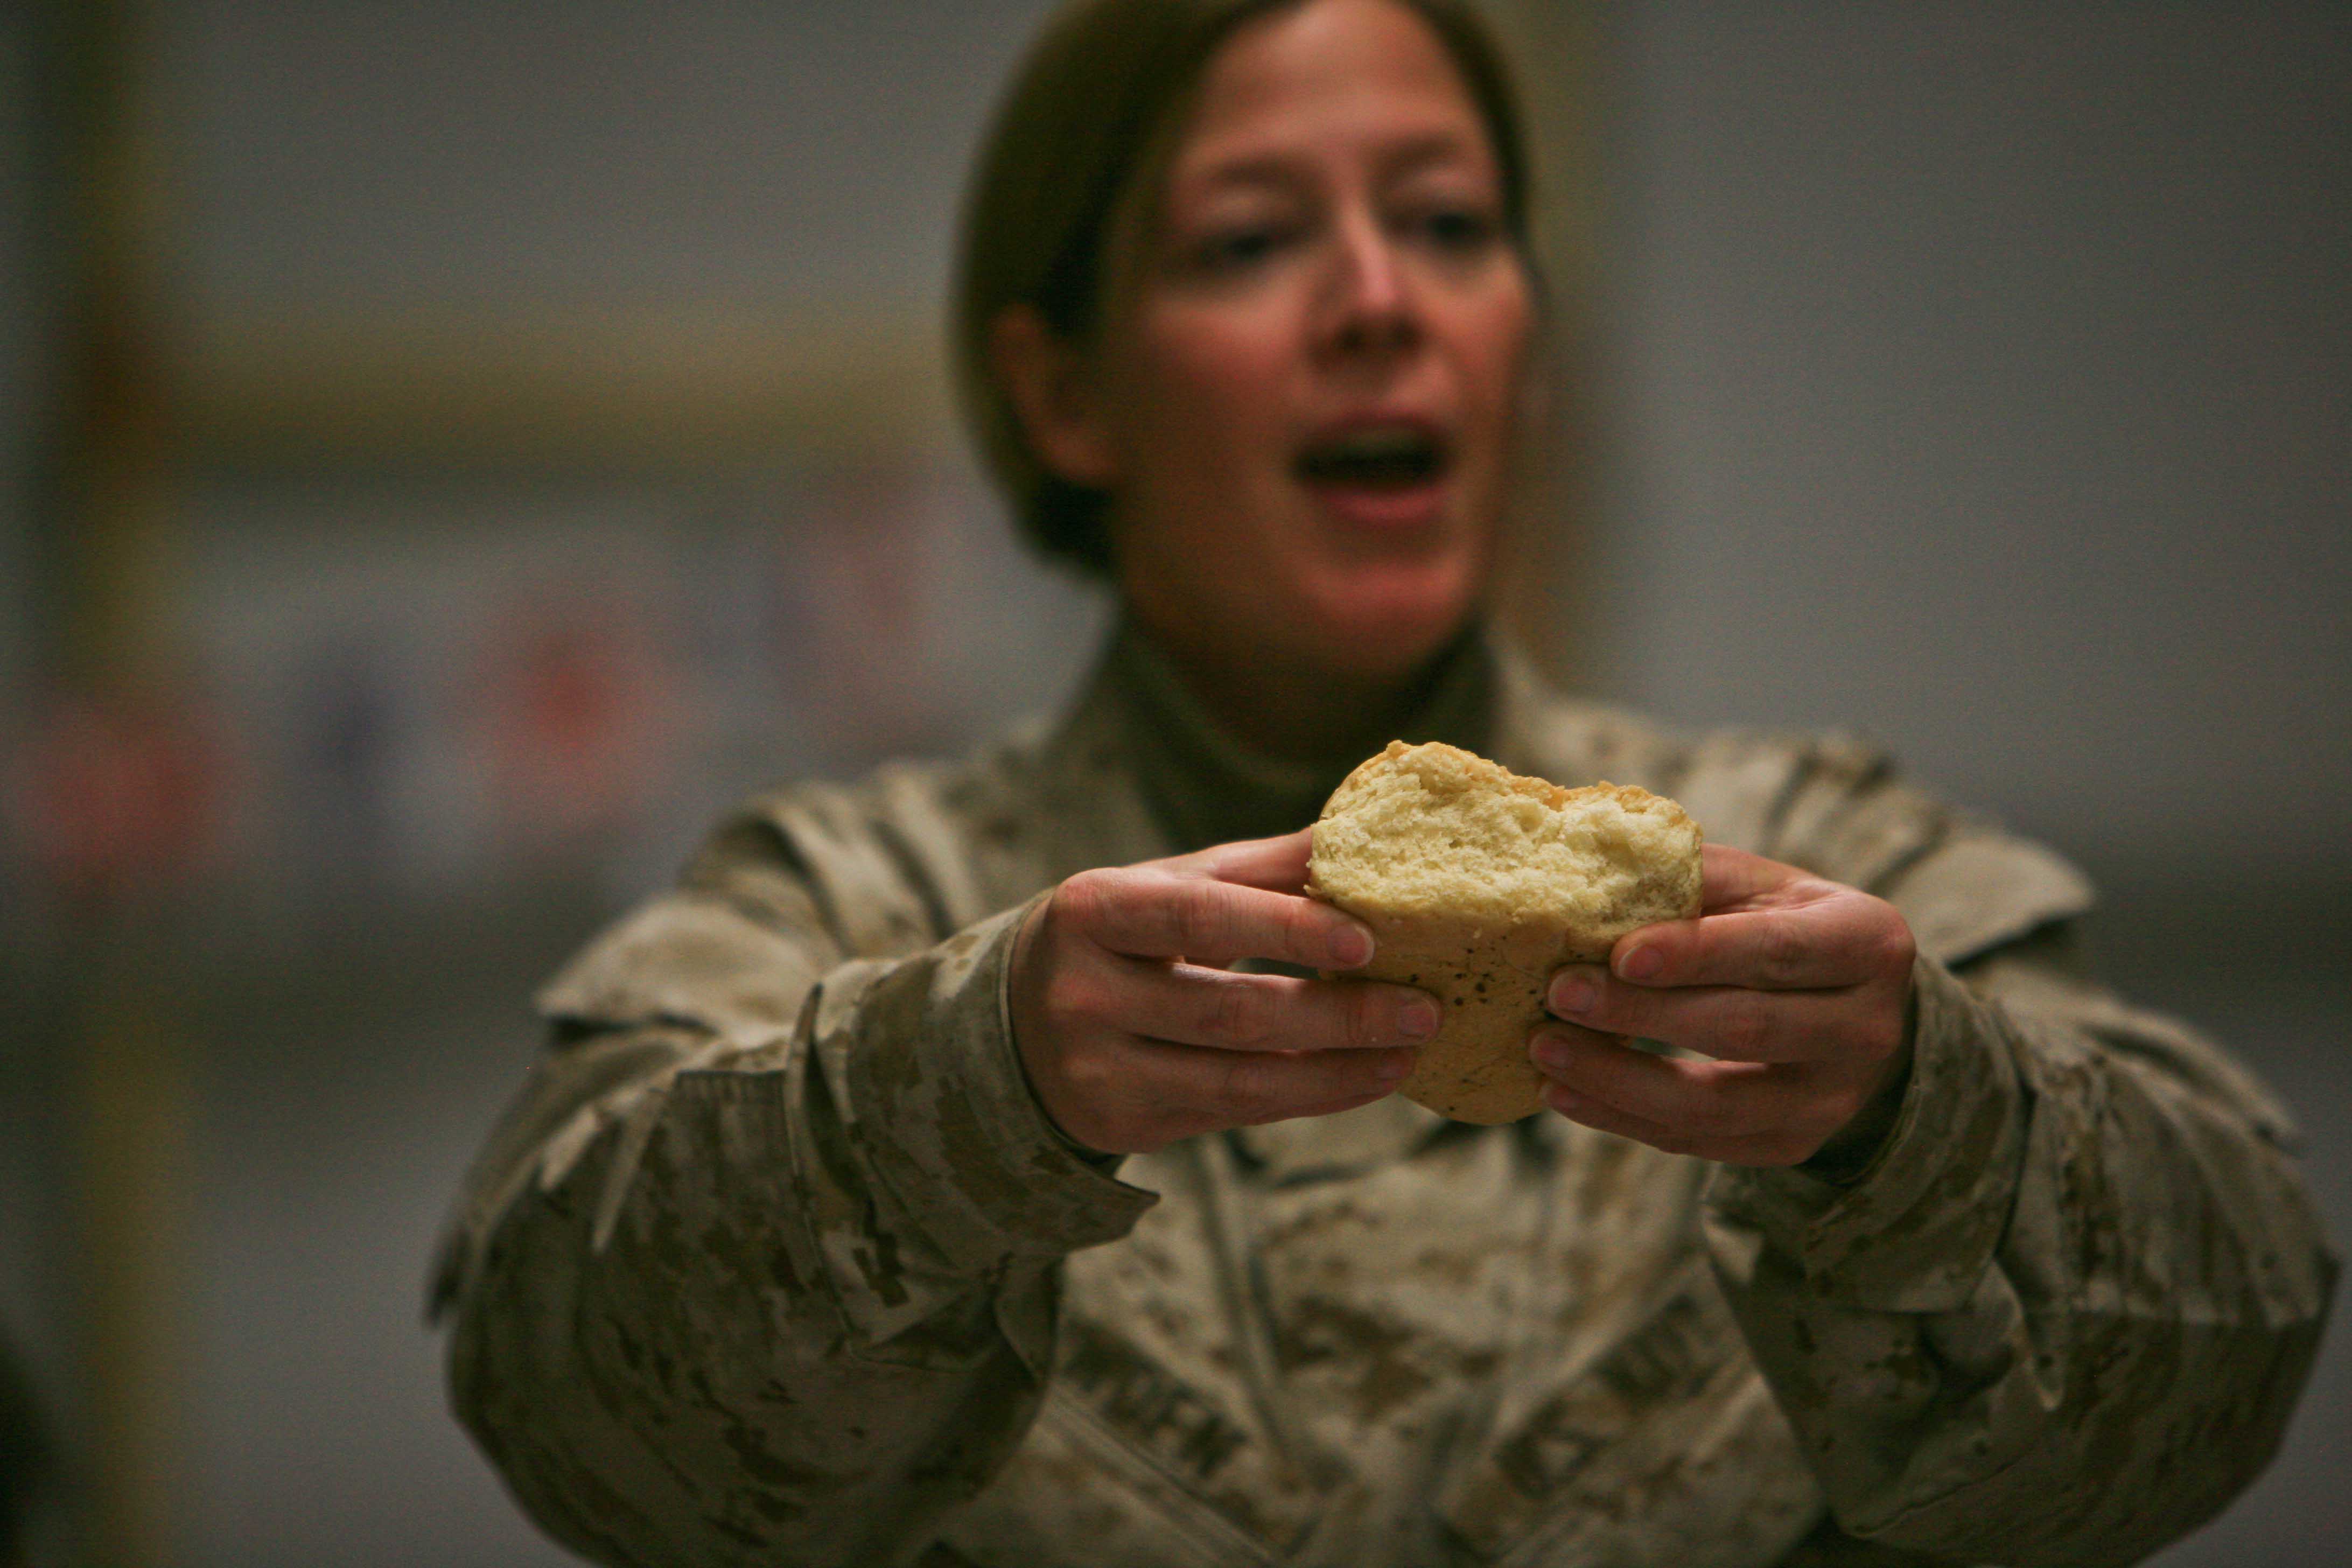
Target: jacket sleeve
x,y
761,1266
2063,1315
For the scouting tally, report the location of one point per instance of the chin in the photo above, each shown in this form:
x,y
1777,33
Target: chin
x,y
1387,624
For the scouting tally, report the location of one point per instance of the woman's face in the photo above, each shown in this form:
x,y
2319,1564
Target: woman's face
x,y
1303,401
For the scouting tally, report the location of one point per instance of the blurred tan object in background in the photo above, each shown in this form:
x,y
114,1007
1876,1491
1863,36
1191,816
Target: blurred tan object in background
x,y
120,780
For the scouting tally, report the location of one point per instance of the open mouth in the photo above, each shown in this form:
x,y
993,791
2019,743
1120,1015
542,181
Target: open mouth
x,y
1377,458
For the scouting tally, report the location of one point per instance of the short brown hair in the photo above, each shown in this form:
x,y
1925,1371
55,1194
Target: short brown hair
x,y
1085,116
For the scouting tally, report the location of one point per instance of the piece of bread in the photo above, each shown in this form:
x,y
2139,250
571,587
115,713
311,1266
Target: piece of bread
x,y
1479,883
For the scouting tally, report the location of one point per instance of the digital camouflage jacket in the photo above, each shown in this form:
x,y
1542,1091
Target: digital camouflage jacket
x,y
776,1260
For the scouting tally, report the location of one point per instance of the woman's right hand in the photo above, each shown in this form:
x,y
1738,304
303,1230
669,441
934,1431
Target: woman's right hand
x,y
1134,1033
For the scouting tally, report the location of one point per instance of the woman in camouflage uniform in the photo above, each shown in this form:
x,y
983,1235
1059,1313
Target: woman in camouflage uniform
x,y
921,1180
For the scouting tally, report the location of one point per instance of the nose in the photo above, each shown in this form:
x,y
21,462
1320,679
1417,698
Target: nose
x,y
1369,311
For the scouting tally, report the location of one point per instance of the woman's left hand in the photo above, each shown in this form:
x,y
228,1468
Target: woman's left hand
x,y
1797,988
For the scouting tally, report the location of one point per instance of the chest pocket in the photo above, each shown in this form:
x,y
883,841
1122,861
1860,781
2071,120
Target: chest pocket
x,y
1159,1377
1080,1492
1664,1447
1149,1450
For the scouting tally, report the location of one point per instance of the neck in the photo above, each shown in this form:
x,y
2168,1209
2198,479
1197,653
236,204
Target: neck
x,y
1219,756
1285,712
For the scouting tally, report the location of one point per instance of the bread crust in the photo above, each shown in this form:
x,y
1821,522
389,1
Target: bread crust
x,y
1490,966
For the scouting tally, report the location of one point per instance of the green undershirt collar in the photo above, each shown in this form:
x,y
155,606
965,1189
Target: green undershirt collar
x,y
1206,787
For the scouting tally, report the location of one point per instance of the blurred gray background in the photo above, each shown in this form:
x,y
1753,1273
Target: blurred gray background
x,y
560,450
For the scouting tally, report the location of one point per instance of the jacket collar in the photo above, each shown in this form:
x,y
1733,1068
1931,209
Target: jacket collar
x,y
1205,787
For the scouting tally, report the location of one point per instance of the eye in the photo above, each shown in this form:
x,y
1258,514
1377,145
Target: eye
x,y
1459,230
1239,247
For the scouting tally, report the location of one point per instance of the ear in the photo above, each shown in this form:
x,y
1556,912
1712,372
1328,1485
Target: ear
x,y
1055,394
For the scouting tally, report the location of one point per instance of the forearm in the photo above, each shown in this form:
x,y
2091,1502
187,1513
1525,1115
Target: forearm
x,y
803,1305
689,1394
2061,1317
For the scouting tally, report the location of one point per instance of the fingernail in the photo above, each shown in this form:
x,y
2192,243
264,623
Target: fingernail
x,y
1349,946
1641,963
1551,1052
1417,1019
1574,994
1396,1065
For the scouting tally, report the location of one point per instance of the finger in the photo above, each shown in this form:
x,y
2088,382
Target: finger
x,y
1189,1004
1552,1033
1606,1118
1730,876
1233,1088
1702,1099
1811,946
1731,1023
1766,1149
1276,865
1148,912
1326,1108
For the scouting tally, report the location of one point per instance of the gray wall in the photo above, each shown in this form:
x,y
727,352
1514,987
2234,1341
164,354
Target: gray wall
x,y
1980,378
595,150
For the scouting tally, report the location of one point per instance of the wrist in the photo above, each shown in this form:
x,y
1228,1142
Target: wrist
x,y
1023,1023
1915,1229
1849,1152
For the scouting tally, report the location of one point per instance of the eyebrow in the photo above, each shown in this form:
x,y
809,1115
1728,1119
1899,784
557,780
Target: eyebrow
x,y
1405,158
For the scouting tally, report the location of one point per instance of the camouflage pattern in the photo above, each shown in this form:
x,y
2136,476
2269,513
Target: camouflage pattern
x,y
775,1260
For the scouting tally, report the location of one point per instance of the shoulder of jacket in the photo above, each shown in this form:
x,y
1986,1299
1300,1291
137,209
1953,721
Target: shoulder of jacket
x,y
1982,889
788,883
1575,740
1832,801
890,856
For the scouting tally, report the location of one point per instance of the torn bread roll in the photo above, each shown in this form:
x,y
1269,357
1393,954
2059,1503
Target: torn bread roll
x,y
1479,883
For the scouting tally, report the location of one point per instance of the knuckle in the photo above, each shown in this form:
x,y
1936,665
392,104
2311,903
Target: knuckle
x,y
1782,954
1202,919
1075,1000
1747,1027
1875,1035
1061,1011
1886,1037
1241,1088
1237,1015
1091,1074
1083,899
